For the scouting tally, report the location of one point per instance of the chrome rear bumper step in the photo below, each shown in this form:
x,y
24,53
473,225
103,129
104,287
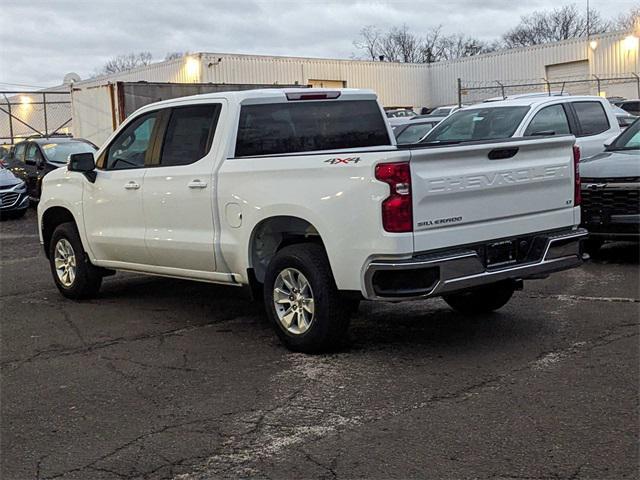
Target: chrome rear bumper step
x,y
451,271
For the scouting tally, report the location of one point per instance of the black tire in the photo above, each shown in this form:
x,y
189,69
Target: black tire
x,y
328,326
88,278
592,246
481,300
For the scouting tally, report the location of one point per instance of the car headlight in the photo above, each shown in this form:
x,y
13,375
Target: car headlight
x,y
21,187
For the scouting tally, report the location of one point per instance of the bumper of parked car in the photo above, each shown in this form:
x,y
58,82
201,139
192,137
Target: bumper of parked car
x,y
13,198
611,210
614,227
435,274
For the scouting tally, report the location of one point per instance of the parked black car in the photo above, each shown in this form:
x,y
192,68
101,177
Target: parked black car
x,y
611,191
631,106
13,195
414,131
32,159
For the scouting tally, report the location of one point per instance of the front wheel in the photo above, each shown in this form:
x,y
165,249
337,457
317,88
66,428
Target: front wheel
x,y
481,300
302,300
72,271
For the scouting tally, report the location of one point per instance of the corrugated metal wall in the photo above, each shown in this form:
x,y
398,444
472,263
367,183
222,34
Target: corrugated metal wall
x,y
398,84
395,83
528,65
169,71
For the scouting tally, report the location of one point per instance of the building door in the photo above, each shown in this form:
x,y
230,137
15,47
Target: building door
x,y
568,72
327,83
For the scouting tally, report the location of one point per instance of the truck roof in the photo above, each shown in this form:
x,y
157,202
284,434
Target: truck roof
x,y
531,101
268,95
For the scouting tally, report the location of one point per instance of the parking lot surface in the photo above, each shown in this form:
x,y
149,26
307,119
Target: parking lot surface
x,y
160,378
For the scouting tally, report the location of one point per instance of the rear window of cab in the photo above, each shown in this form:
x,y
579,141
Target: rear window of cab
x,y
294,127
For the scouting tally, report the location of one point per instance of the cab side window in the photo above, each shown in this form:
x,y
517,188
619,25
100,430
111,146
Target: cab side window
x,y
189,134
592,118
551,120
132,145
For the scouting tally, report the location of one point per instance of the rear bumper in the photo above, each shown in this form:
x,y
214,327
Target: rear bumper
x,y
459,269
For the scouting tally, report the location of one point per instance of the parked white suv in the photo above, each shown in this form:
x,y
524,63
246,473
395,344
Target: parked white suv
x,y
590,119
302,195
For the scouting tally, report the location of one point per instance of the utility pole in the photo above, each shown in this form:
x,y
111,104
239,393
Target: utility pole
x,y
588,23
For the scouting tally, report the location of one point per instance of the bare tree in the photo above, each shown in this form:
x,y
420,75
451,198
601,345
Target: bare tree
x,y
555,25
629,21
369,41
175,55
399,44
460,46
122,63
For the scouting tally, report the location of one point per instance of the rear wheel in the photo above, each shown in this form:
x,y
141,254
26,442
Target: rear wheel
x,y
72,271
481,300
302,300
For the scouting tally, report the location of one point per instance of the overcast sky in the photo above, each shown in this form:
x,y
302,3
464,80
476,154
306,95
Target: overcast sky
x,y
41,41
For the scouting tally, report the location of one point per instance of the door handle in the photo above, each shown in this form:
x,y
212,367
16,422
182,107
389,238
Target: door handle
x,y
502,153
132,185
197,184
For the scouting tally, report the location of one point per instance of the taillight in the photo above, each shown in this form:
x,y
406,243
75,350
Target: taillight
x,y
577,196
397,214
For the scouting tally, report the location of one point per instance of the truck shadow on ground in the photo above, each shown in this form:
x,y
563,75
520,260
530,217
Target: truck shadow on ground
x,y
428,323
618,253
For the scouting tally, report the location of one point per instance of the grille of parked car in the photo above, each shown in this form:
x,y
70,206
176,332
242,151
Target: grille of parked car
x,y
610,180
610,202
7,199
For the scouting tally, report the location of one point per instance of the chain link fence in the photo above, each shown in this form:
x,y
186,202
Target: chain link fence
x,y
470,92
25,114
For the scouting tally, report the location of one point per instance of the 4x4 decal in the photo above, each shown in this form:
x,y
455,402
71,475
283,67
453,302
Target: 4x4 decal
x,y
347,161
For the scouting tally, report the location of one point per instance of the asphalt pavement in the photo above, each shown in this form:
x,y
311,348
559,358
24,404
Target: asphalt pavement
x,y
160,378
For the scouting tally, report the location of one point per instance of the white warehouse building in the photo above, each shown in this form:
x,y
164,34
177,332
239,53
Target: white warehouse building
x,y
606,64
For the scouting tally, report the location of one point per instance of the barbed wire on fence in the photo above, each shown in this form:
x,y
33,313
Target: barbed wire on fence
x,y
470,91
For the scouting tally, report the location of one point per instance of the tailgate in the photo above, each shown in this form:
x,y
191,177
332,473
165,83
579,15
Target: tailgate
x,y
471,193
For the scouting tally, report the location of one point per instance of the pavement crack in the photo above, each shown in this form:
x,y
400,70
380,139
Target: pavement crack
x,y
563,297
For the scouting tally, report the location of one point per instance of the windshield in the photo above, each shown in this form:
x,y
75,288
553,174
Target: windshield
x,y
629,140
478,124
414,133
442,111
59,152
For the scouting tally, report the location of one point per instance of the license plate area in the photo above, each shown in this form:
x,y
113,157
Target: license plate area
x,y
500,254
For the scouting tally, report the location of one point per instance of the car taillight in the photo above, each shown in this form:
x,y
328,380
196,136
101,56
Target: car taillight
x,y
397,214
577,196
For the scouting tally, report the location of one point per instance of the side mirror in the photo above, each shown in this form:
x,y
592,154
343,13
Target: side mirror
x,y
83,163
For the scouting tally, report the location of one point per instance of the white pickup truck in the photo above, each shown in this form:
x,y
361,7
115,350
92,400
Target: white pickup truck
x,y
303,195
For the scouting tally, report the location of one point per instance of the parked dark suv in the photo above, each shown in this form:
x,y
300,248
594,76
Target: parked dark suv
x,y
631,106
611,191
32,159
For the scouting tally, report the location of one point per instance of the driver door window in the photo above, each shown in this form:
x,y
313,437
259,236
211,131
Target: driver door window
x,y
133,145
33,155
